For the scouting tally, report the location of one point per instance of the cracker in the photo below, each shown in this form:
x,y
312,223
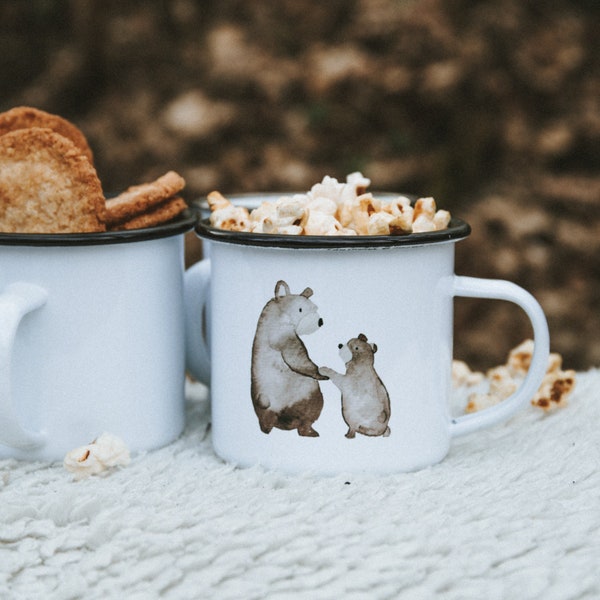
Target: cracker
x,y
140,198
162,213
24,117
47,185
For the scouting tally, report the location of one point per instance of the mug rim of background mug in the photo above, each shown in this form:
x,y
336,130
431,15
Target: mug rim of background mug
x,y
182,224
457,230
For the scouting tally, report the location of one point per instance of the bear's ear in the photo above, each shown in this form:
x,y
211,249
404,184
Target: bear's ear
x,y
374,348
279,292
307,293
362,337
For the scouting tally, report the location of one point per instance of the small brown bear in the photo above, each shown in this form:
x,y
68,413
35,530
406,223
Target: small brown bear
x,y
365,400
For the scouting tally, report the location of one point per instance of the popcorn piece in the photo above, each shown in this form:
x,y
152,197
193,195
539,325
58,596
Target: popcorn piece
x,y
555,390
426,207
554,362
502,385
462,374
423,224
424,215
361,212
266,225
287,215
358,182
345,231
322,205
291,211
216,201
226,215
479,401
519,358
343,195
319,223
289,230
398,206
266,210
501,382
553,393
441,219
103,453
384,223
273,226
403,212
379,223
330,188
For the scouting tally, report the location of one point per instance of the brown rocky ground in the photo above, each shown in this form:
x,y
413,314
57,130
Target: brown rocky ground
x,y
493,107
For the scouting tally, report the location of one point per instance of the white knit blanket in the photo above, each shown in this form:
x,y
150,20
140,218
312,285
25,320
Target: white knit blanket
x,y
512,513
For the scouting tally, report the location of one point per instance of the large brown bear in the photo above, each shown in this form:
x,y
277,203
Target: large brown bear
x,y
285,389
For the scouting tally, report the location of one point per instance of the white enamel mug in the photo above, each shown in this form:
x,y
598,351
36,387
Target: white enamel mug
x,y
333,354
91,339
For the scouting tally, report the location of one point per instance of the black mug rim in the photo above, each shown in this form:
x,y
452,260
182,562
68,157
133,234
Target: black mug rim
x,y
181,224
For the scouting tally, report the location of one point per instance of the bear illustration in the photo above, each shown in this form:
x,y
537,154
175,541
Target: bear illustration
x,y
365,400
285,389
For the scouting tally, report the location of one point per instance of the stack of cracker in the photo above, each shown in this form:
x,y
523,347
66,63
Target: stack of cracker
x,y
147,204
49,184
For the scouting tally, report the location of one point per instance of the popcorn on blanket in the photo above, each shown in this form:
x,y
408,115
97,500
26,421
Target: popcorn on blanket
x,y
104,453
503,380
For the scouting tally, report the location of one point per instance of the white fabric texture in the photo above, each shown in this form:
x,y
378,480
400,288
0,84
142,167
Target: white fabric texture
x,y
513,512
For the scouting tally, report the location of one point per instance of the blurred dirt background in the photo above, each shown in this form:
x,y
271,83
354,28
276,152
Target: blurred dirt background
x,y
491,106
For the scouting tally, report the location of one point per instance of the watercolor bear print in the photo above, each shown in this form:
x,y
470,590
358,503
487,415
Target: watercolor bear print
x,y
285,386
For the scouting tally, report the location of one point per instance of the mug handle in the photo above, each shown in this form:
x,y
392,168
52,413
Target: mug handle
x,y
474,287
196,293
16,301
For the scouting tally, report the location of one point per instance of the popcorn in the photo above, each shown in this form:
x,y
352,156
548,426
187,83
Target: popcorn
x,y
360,213
501,386
424,207
557,384
422,224
553,393
519,358
319,223
427,218
501,382
379,223
267,210
328,188
403,212
291,211
359,182
555,390
103,453
462,374
441,219
269,226
331,208
225,215
323,205
480,402
384,223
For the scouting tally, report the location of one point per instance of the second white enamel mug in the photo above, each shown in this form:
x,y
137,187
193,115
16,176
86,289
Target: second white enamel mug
x,y
333,354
